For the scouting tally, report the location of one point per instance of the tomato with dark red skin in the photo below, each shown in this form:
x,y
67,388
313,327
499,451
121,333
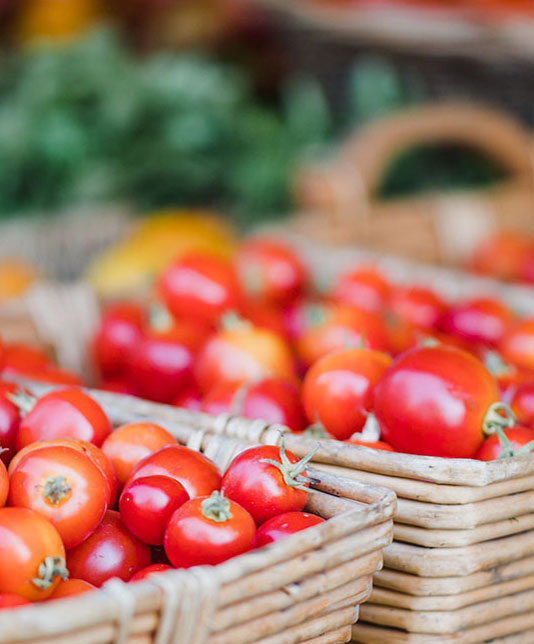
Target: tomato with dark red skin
x,y
271,271
435,401
4,484
421,307
200,287
517,436
9,422
381,445
207,531
517,344
150,570
65,413
120,385
63,485
272,400
27,540
119,332
111,551
189,398
70,588
10,600
243,353
260,488
482,320
283,525
522,403
129,444
364,287
146,505
338,390
197,473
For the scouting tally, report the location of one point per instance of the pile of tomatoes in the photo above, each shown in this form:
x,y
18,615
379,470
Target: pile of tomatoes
x,y
361,357
80,504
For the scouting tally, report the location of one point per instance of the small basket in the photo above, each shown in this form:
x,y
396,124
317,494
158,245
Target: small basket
x,y
304,589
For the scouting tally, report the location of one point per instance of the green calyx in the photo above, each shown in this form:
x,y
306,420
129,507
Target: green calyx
x,y
25,402
216,507
499,415
56,489
159,318
496,365
292,472
232,321
49,569
507,447
316,431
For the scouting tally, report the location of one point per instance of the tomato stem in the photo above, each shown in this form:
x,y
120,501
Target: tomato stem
x,y
50,568
499,414
508,449
24,401
292,472
232,321
316,431
56,489
216,507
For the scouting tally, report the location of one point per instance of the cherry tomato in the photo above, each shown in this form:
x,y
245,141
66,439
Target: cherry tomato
x,y
381,445
265,316
208,530
118,335
120,385
111,551
272,400
150,570
522,403
9,600
504,255
341,327
9,422
32,555
435,401
130,444
146,505
260,487
4,484
283,525
482,320
18,357
189,398
418,306
52,375
271,271
63,485
517,344
243,353
200,287
71,587
65,413
301,315
193,470
365,288
514,439
338,389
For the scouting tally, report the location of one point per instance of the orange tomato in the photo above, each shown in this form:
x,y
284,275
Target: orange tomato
x,y
70,587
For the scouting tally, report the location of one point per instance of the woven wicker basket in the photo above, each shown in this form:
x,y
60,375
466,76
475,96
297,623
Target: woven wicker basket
x,y
306,588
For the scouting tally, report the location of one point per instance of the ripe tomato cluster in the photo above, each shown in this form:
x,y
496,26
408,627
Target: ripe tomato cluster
x,y
356,360
81,504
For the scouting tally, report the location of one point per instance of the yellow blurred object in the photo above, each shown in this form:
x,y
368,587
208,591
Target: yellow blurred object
x,y
38,19
131,266
15,278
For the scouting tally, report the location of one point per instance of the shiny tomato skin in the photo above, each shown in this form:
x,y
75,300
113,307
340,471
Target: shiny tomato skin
x,y
131,443
363,287
522,403
272,400
283,525
4,484
111,551
63,485
517,344
146,505
198,475
433,400
243,354
150,570
491,448
9,423
418,306
117,336
271,271
192,539
200,287
338,389
381,445
64,413
260,487
26,540
70,587
189,398
481,320
10,600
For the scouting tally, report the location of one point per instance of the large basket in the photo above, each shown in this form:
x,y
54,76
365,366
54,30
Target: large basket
x,y
307,588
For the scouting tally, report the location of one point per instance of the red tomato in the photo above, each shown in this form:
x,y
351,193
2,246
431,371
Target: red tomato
x,y
19,357
63,485
301,315
65,413
4,484
338,390
364,287
9,422
517,344
522,403
418,306
193,470
119,386
51,375
273,400
208,530
482,321
435,401
504,255
265,316
200,287
283,525
381,445
342,327
189,398
32,555
118,335
71,587
260,487
9,600
271,271
146,505
150,570
111,551
243,353
130,444
506,443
